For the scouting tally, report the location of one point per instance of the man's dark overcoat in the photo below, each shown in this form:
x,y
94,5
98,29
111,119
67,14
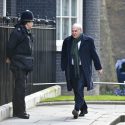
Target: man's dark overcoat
x,y
87,54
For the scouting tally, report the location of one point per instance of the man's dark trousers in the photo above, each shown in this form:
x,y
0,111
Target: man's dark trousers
x,y
78,88
20,77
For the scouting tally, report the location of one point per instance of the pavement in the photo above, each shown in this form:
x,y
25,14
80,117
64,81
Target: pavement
x,y
31,100
61,114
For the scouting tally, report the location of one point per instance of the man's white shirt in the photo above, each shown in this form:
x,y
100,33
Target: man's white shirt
x,y
79,43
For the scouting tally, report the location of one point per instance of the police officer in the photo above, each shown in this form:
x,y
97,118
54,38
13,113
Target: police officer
x,y
19,55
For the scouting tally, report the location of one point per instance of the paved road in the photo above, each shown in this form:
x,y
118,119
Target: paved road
x,y
61,115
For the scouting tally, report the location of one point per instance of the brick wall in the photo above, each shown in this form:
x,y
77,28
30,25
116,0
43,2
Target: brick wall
x,y
1,7
60,76
9,6
42,8
14,6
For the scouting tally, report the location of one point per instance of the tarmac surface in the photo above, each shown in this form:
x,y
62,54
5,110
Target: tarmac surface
x,y
61,114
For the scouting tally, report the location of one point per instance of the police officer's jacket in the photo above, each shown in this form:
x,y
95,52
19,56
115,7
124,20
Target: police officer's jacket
x,y
19,48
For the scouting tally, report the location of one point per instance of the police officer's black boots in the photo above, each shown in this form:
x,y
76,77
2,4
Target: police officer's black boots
x,y
22,115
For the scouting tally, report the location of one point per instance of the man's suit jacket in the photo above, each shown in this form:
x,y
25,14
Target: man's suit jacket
x,y
87,54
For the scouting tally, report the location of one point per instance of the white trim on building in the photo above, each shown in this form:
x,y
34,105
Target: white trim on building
x,y
4,8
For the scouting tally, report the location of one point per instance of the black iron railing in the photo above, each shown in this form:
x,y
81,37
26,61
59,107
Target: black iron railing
x,y
10,21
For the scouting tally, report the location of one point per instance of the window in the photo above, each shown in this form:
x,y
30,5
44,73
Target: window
x,y
68,12
74,7
65,27
58,7
66,15
65,8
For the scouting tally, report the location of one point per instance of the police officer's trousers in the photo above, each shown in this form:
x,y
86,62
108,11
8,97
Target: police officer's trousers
x,y
20,77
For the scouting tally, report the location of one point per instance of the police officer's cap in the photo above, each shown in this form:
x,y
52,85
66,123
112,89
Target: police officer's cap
x,y
27,16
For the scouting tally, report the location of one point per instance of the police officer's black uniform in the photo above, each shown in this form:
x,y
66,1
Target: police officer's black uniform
x,y
19,51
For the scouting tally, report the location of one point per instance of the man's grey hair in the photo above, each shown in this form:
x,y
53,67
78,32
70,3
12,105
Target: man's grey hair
x,y
77,25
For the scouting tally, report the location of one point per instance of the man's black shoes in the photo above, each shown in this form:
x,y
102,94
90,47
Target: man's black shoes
x,y
83,112
75,114
22,115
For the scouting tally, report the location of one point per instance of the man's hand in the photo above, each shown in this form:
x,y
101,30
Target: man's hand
x,y
8,60
100,71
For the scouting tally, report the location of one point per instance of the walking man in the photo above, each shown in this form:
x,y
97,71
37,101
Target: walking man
x,y
78,52
19,55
